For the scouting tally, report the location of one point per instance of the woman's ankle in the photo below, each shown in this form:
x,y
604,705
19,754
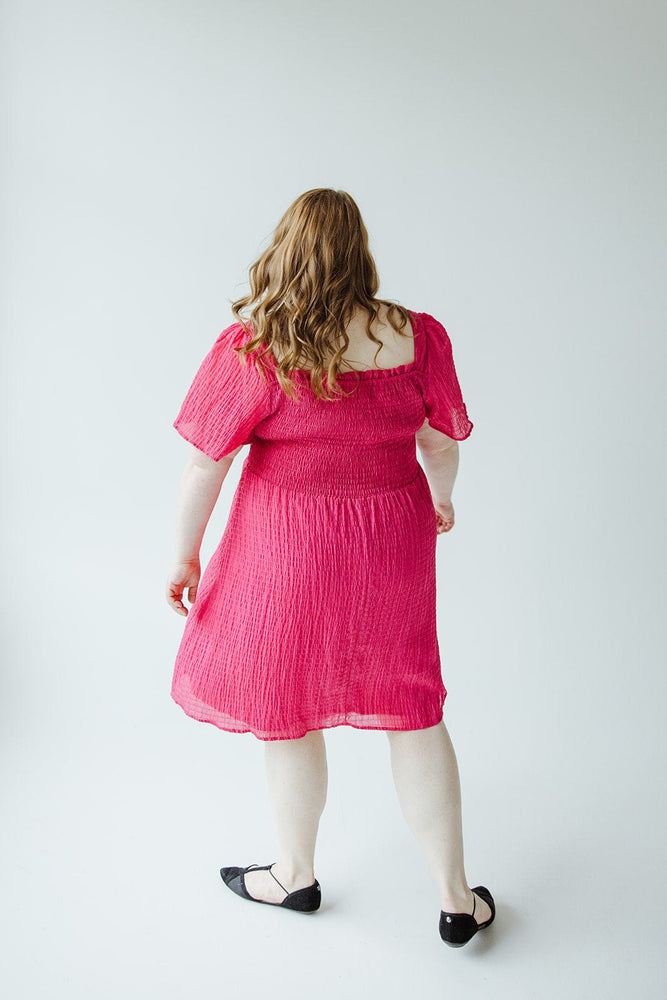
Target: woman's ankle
x,y
292,875
457,901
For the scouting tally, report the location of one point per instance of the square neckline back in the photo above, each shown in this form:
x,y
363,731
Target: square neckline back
x,y
406,368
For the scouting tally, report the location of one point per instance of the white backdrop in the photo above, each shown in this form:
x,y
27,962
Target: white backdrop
x,y
508,159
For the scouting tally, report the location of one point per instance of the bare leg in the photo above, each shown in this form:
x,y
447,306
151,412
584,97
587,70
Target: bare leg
x,y
426,776
297,776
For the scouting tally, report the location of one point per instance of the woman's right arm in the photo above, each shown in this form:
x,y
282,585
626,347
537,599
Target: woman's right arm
x,y
440,459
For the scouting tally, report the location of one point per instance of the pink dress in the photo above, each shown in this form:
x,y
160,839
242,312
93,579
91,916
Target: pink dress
x,y
318,606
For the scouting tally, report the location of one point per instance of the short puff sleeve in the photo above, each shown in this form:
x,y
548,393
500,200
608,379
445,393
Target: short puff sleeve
x,y
445,408
228,397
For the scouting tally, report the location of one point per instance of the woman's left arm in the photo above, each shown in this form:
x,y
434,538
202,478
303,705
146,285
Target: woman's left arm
x,y
199,490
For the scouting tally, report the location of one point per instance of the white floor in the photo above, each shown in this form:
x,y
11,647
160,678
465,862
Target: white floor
x,y
111,881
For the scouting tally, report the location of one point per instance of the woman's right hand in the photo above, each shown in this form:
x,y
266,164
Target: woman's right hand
x,y
444,516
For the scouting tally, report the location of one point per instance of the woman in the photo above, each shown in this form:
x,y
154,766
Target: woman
x,y
318,607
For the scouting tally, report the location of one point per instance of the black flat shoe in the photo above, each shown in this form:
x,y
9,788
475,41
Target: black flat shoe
x,y
456,929
306,900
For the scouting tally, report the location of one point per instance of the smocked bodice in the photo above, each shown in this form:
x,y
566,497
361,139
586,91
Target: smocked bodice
x,y
363,443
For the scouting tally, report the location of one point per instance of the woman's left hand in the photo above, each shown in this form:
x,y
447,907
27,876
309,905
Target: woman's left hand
x,y
183,575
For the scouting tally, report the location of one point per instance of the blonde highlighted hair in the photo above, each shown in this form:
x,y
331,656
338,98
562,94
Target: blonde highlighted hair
x,y
315,275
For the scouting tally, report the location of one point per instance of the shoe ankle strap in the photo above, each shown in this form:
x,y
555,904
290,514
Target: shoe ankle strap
x,y
278,881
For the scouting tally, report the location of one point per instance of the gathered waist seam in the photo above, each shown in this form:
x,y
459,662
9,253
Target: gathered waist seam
x,y
344,492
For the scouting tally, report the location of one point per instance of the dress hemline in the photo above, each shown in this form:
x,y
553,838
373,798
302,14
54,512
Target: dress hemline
x,y
332,725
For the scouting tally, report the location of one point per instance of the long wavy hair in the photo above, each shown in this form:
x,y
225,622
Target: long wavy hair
x,y
306,286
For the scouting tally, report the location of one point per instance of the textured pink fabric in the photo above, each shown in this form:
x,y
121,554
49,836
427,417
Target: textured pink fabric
x,y
317,608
